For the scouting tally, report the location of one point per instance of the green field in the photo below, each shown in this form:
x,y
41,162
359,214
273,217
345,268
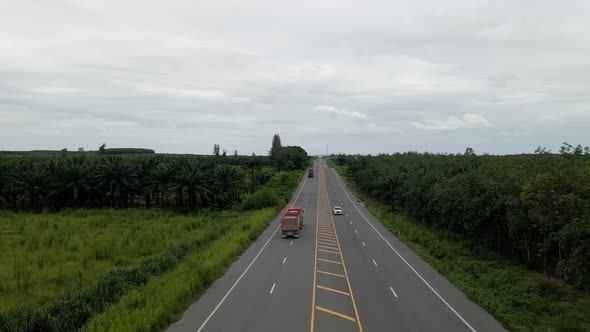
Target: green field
x,y
520,299
42,254
67,270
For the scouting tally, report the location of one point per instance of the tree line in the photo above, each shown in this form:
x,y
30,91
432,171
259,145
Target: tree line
x,y
141,180
534,208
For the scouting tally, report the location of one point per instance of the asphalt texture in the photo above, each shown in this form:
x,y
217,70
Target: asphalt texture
x,y
344,273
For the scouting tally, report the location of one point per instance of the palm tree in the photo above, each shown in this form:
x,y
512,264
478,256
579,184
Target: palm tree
x,y
117,177
387,190
229,180
161,180
146,170
70,179
32,183
192,181
5,181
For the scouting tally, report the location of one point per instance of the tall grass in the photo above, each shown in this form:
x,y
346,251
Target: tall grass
x,y
41,255
520,299
161,300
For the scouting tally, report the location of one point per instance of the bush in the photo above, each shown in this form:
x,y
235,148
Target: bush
x,y
261,199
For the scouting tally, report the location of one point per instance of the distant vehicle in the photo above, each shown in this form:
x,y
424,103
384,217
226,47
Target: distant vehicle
x,y
292,222
310,173
337,210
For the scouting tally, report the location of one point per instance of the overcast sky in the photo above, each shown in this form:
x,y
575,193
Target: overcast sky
x,y
352,76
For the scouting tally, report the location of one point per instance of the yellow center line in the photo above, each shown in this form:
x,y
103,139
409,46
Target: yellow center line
x,y
332,274
327,236
332,290
315,261
332,252
325,247
335,313
329,261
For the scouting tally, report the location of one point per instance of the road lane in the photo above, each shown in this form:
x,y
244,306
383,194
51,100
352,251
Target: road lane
x,y
250,306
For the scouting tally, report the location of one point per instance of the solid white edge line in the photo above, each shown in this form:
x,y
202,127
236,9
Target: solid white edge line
x,y
403,259
374,262
249,265
393,291
273,288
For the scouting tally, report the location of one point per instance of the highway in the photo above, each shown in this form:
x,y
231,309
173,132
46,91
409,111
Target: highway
x,y
344,273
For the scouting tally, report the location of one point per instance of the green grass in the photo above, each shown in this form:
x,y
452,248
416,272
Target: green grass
x,y
42,255
520,299
162,300
58,271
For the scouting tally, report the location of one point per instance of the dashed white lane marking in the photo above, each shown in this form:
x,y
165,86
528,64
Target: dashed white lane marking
x,y
356,231
351,222
393,291
290,244
374,262
364,244
273,288
248,267
284,259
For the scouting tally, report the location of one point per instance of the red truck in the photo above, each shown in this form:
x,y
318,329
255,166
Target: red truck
x,y
292,222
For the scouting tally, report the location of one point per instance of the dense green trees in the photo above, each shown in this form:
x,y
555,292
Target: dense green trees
x,y
92,180
534,208
287,157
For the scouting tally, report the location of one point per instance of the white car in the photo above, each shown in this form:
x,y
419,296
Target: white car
x,y
337,210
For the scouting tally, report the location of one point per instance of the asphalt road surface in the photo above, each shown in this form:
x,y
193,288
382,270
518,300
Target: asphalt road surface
x,y
344,273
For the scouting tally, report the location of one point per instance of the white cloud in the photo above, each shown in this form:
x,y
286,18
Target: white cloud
x,y
340,114
469,120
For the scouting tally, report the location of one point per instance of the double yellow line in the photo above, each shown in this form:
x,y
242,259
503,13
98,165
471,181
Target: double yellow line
x,y
321,181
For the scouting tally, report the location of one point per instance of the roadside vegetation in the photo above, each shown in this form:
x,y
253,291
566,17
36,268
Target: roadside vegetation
x,y
501,228
162,300
183,182
81,235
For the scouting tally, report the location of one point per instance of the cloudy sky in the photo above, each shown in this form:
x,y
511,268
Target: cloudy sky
x,y
349,76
